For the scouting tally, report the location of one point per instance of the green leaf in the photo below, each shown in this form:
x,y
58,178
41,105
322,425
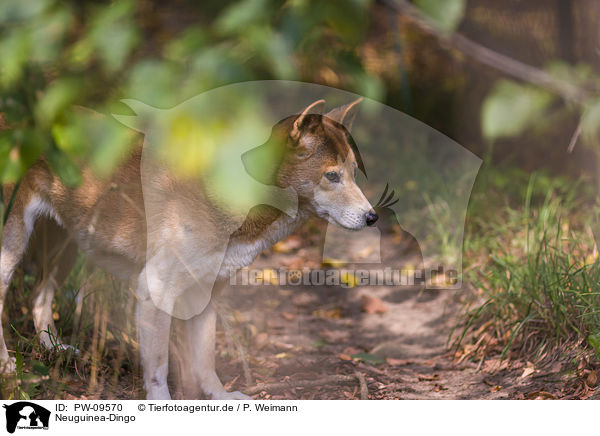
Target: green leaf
x,y
242,14
62,165
14,51
511,108
39,367
369,358
114,34
590,125
48,33
18,10
320,343
186,44
447,14
59,96
111,147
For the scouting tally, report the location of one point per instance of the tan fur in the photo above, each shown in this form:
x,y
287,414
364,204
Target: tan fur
x,y
106,220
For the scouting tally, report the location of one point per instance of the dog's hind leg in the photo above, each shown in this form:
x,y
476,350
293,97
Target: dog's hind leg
x,y
200,337
153,326
15,238
54,251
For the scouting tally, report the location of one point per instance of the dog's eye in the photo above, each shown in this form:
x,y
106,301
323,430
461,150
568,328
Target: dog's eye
x,y
332,176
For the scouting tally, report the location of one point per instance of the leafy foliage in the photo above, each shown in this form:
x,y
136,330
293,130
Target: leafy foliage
x,y
55,55
446,14
511,108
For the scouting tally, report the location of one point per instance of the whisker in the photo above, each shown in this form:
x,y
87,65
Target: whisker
x,y
382,195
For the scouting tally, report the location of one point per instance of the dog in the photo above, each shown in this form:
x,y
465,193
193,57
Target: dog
x,y
104,218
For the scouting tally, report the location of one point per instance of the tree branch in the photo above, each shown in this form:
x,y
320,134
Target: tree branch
x,y
489,57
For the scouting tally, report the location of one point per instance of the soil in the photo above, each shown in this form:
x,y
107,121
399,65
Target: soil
x,y
318,342
335,342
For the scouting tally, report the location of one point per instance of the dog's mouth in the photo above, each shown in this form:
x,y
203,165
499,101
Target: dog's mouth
x,y
330,219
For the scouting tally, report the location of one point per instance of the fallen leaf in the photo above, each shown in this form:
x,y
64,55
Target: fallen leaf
x,y
349,395
320,343
261,340
368,358
332,314
495,388
289,316
335,263
530,369
366,252
350,351
592,379
493,365
292,243
373,305
397,362
540,395
344,357
282,355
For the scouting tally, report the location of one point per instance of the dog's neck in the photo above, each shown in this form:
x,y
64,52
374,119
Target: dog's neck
x,y
269,223
263,226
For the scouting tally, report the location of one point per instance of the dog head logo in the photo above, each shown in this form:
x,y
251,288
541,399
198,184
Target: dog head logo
x,y
26,415
255,150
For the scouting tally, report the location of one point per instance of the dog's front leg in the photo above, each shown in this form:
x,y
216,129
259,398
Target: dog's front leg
x,y
153,331
200,332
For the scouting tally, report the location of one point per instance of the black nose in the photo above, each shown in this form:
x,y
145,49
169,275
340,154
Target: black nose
x,y
371,218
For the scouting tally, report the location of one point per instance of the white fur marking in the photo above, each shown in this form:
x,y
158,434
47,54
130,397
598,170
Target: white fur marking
x,y
35,209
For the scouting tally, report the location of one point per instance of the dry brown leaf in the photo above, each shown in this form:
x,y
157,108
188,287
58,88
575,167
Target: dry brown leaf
x,y
332,314
397,362
349,395
289,316
350,351
493,365
373,305
495,388
292,243
592,379
529,369
540,395
343,356
261,340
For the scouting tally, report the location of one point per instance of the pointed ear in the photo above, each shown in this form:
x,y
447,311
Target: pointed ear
x,y
345,114
315,107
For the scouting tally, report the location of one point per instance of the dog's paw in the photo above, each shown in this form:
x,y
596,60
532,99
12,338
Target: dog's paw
x,y
57,345
237,395
65,347
8,366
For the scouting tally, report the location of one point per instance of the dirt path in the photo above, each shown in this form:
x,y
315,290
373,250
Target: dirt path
x,y
298,335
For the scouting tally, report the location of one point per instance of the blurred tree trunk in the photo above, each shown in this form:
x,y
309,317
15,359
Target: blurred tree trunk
x,y
564,9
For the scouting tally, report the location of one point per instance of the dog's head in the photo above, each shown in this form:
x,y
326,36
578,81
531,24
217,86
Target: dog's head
x,y
318,159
